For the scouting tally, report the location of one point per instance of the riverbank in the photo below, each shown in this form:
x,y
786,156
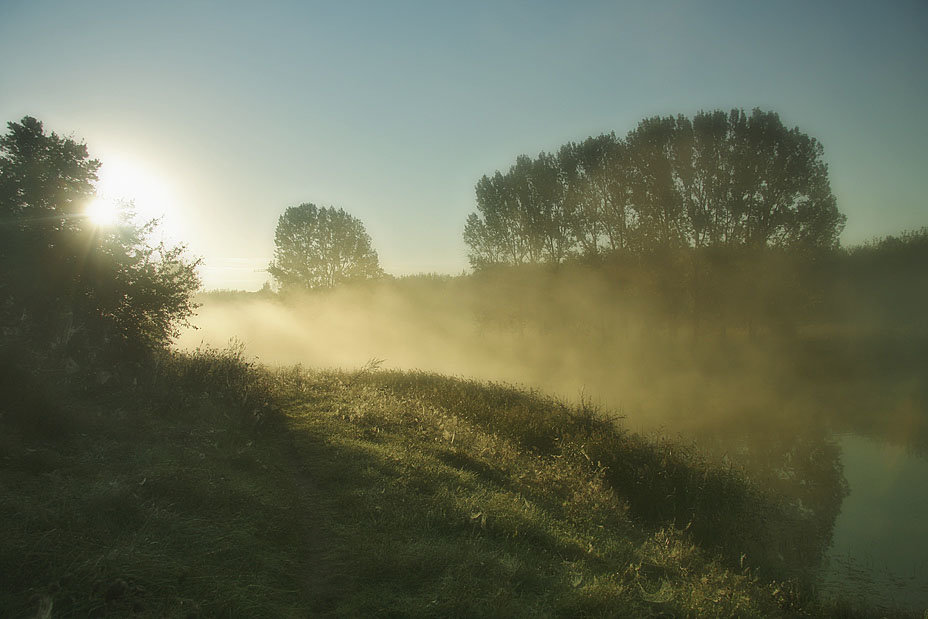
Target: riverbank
x,y
211,486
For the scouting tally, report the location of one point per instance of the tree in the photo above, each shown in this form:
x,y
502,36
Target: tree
x,y
654,184
524,215
321,248
555,223
498,234
70,288
720,180
596,186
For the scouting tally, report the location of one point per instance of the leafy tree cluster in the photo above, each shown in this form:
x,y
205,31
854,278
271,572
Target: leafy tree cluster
x,y
716,180
321,248
70,288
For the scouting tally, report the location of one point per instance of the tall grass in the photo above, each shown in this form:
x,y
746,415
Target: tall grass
x,y
212,486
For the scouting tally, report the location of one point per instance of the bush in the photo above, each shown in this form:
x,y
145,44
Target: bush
x,y
239,389
74,292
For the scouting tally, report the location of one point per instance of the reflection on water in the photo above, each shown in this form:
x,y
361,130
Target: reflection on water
x,y
863,534
879,551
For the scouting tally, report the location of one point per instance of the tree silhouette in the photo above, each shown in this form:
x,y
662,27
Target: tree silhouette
x,y
654,184
69,287
720,180
525,215
321,248
597,188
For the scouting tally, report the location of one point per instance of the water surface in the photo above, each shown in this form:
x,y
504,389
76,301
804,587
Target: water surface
x,y
879,551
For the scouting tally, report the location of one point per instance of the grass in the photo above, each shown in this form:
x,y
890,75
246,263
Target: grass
x,y
217,488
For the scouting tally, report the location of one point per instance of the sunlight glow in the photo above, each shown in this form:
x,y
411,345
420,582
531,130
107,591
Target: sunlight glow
x,y
124,180
102,212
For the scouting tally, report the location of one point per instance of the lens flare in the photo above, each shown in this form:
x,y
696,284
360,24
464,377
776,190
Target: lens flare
x,y
102,213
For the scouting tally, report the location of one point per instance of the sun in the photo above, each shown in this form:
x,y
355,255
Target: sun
x,y
124,180
102,213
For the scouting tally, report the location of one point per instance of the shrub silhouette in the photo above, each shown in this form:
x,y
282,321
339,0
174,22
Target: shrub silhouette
x,y
73,292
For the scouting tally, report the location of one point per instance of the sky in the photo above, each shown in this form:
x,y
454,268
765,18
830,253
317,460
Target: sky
x,y
219,115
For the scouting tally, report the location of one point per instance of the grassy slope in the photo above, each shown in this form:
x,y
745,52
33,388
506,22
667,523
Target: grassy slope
x,y
221,489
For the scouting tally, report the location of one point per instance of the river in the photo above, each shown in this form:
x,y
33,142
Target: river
x,y
879,550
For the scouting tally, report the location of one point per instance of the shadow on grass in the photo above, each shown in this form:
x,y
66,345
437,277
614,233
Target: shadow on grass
x,y
664,483
215,489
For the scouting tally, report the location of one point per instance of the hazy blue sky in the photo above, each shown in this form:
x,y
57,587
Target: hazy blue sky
x,y
228,112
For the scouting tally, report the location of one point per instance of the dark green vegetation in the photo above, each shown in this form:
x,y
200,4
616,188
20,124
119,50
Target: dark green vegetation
x,y
213,487
71,292
720,180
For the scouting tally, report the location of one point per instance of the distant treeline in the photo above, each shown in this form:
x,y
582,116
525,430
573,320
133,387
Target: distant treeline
x,y
718,180
877,288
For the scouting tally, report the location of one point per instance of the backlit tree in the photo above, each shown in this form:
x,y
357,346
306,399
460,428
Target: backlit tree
x,y
321,248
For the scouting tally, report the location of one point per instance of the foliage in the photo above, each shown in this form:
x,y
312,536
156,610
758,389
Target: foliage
x,y
70,288
885,282
321,248
718,180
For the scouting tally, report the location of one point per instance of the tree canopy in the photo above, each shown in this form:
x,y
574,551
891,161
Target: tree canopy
x,y
321,248
716,180
69,287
